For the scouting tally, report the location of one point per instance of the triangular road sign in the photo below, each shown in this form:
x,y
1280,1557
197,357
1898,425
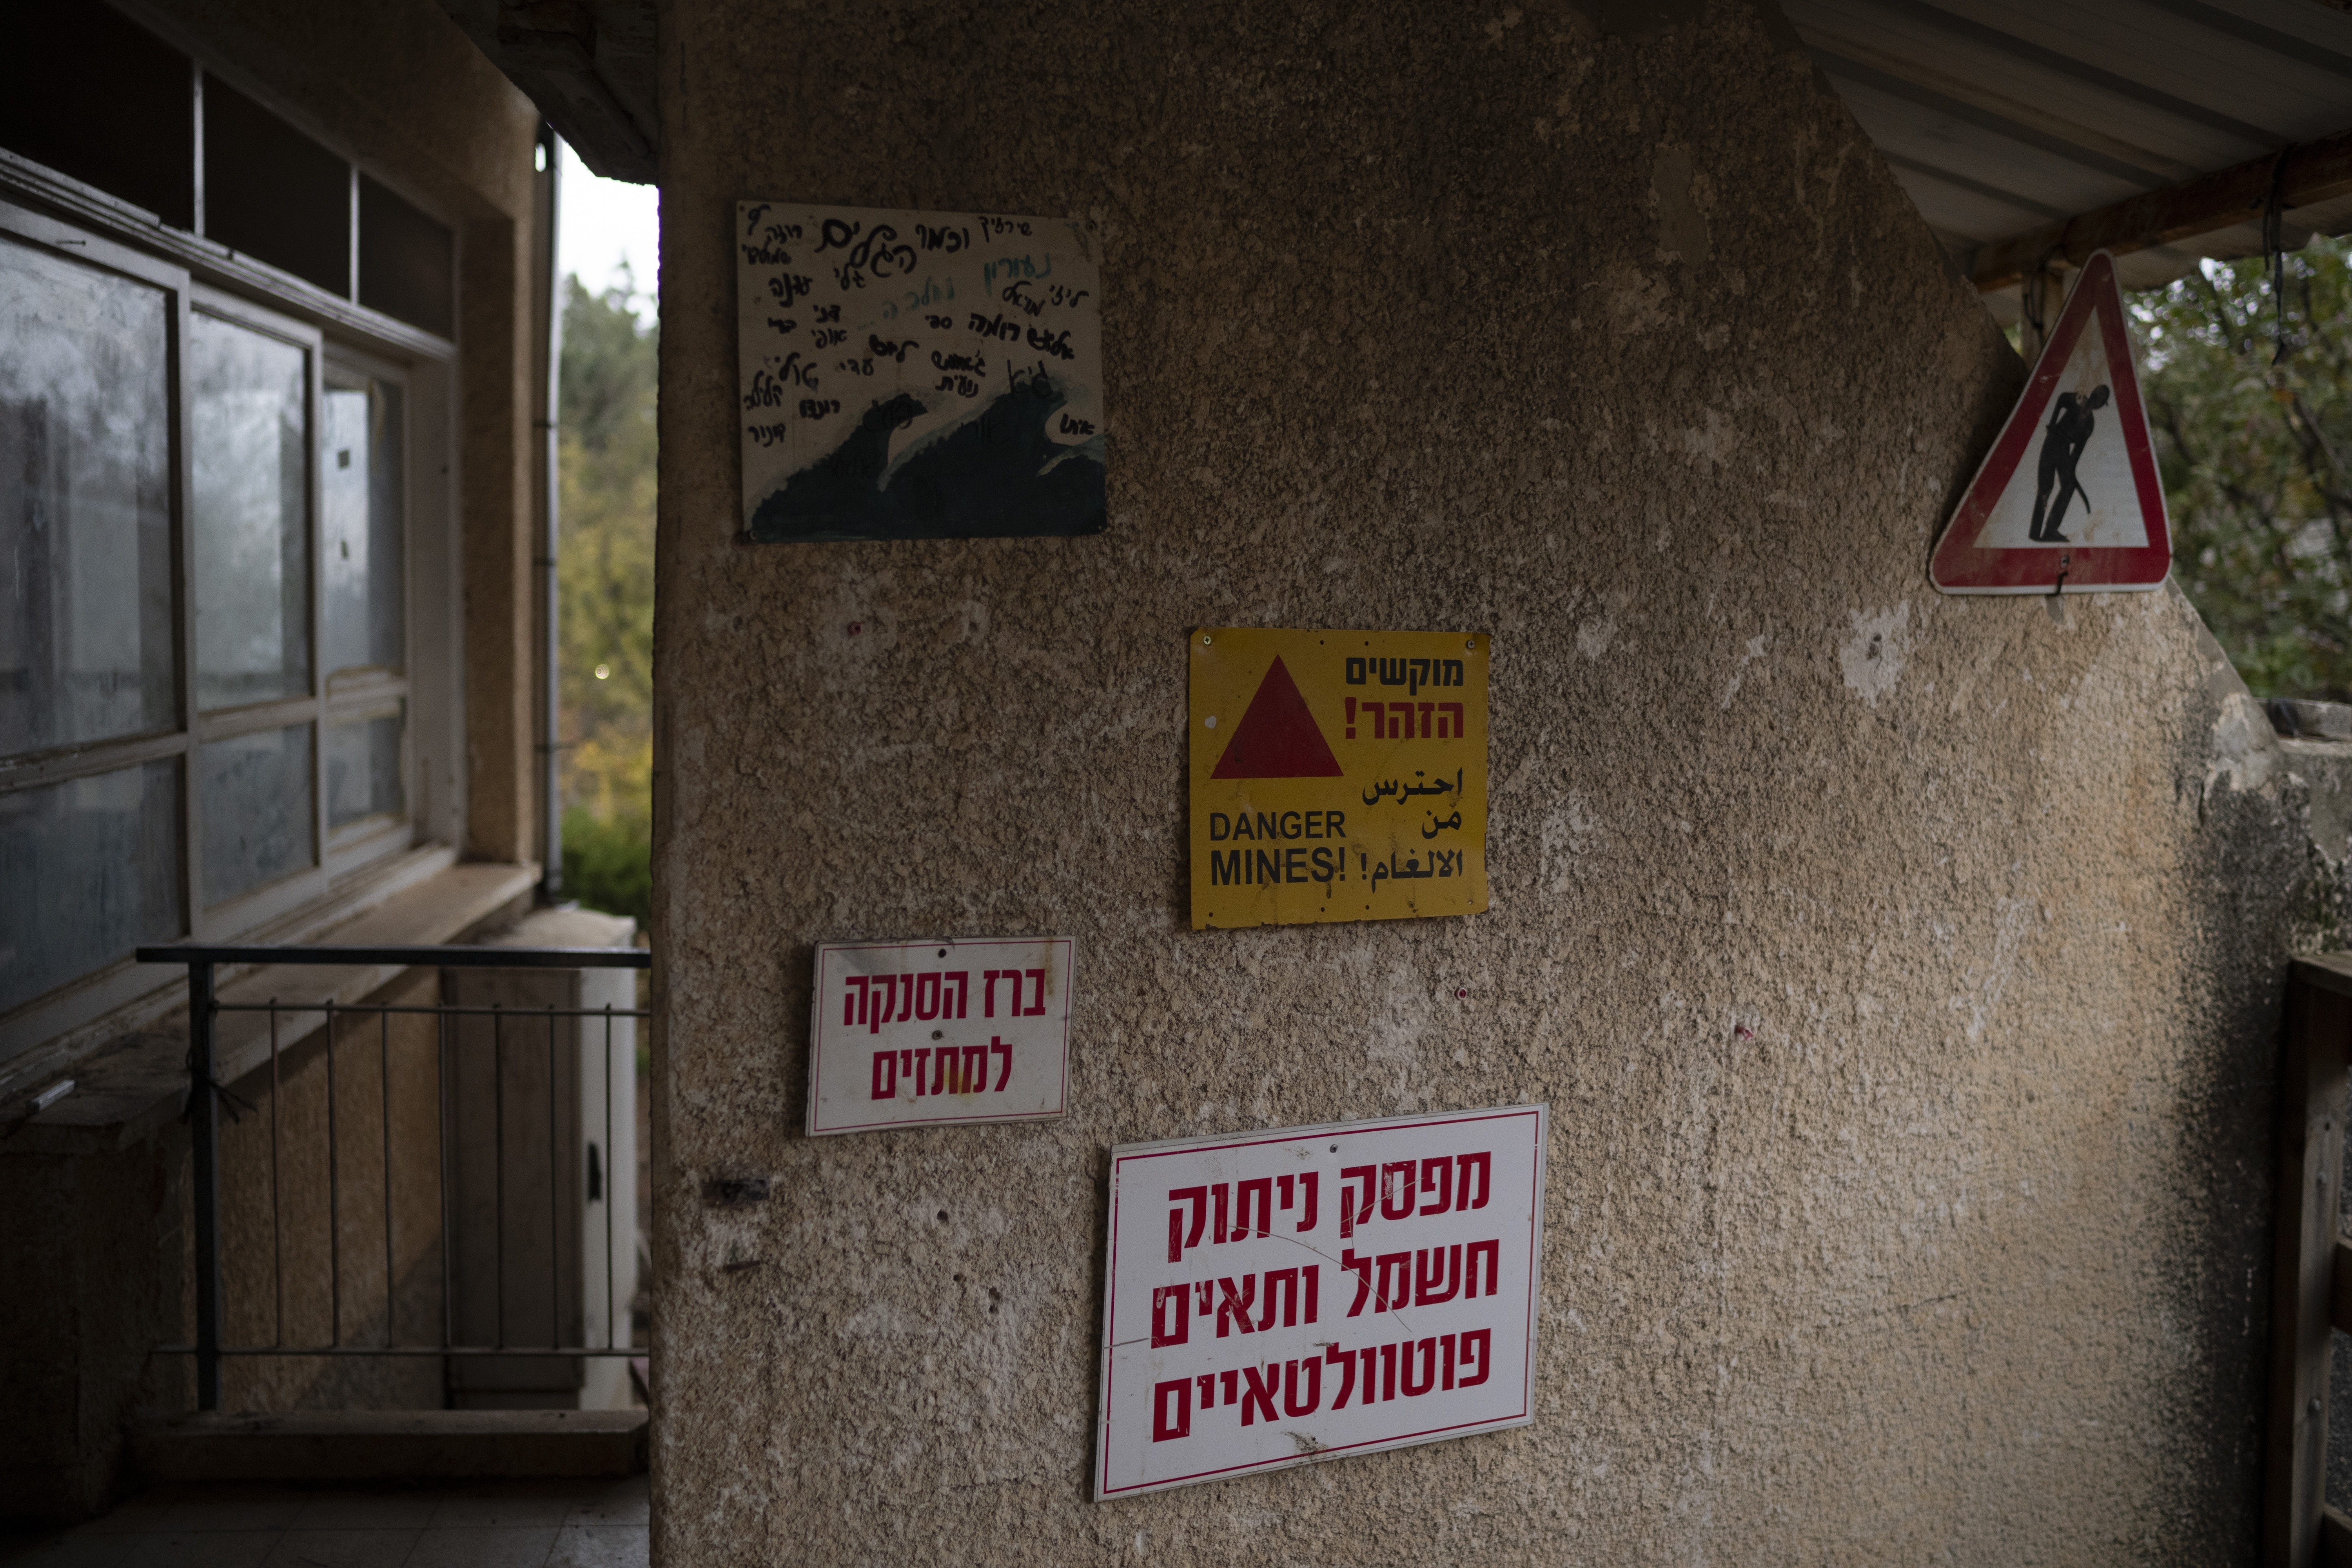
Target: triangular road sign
x,y
2068,500
1277,738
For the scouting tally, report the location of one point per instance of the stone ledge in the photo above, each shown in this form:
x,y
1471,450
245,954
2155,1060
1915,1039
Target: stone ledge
x,y
391,1444
127,1090
2298,719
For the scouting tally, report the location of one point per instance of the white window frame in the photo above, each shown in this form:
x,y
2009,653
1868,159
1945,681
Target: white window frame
x,y
352,339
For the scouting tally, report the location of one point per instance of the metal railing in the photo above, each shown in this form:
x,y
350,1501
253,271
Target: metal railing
x,y
205,1092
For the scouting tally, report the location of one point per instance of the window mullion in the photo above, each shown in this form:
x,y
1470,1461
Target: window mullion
x,y
183,595
317,552
97,758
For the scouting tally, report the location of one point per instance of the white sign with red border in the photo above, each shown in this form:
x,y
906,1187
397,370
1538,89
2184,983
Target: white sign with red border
x,y
921,1033
1291,1297
2069,499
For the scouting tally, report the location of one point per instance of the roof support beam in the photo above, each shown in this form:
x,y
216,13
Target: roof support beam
x,y
2314,171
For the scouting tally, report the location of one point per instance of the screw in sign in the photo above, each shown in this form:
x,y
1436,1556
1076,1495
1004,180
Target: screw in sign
x,y
919,1033
1337,776
1284,1298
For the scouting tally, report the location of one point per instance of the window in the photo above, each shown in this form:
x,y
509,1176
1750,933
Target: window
x,y
203,535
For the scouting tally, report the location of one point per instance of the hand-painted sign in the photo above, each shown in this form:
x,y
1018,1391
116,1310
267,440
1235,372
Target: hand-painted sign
x,y
2069,499
914,1034
1281,1298
1337,776
917,374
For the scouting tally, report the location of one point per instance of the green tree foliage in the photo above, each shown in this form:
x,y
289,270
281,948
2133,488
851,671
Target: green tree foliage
x,y
2254,455
605,443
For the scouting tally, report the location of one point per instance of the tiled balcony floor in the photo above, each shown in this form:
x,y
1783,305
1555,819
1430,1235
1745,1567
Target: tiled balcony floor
x,y
489,1524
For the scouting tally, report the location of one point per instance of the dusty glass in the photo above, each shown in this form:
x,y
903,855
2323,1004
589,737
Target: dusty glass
x,y
86,647
363,770
360,500
254,795
248,419
92,869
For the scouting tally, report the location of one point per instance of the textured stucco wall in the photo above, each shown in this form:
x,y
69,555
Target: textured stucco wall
x,y
1902,971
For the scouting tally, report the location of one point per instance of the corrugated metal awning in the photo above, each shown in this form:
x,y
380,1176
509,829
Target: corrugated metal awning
x,y
2004,119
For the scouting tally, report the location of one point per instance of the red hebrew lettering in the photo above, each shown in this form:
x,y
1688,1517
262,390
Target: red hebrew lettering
x,y
974,1078
1396,1190
1437,1177
1285,1188
1355,1210
1314,1273
1446,1345
1429,1272
1485,1165
962,978
1362,1269
1425,710
939,1060
1388,1371
1232,1381
886,1075
1037,976
1217,1197
1310,1178
1493,1249
1285,1283
905,1064
1484,1340
1259,1393
1442,732
1263,1187
922,1054
988,992
1346,1362
1006,1075
927,996
1208,1382
1403,726
884,990
1427,1351
1177,1238
1234,1308
1163,1298
1309,1370
1164,1426
852,1000
1399,1265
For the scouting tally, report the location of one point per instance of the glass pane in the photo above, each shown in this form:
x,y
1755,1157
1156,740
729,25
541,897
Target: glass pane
x,y
360,497
92,865
246,402
363,771
85,504
255,792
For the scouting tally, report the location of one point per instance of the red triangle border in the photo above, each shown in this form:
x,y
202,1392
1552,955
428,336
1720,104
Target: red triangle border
x,y
1957,566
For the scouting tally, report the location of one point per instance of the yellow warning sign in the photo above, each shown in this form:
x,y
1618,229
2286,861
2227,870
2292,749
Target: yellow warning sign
x,y
1337,776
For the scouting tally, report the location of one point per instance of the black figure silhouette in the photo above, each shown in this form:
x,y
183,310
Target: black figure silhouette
x,y
2072,420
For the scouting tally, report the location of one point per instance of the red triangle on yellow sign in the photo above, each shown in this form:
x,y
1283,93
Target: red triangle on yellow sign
x,y
1277,738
